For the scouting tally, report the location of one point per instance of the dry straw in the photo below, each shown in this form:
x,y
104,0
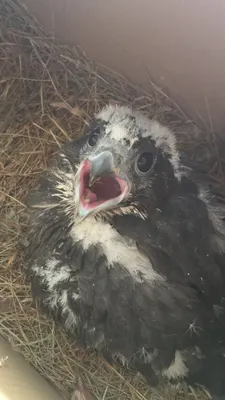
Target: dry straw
x,y
48,92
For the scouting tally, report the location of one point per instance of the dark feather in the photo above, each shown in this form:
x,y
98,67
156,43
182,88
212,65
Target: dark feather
x,y
171,308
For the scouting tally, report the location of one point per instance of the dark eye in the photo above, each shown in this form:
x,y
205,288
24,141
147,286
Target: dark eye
x,y
93,138
144,163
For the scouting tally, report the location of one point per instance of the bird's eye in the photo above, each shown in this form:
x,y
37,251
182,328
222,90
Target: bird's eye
x,y
93,138
144,163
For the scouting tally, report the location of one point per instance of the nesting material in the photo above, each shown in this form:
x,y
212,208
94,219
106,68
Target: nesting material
x,y
48,93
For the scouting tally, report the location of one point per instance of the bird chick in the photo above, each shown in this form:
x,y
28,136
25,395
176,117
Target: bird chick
x,y
126,251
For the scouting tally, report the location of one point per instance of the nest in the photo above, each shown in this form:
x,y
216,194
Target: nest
x,y
48,93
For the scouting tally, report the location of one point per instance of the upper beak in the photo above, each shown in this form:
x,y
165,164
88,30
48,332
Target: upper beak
x,y
102,165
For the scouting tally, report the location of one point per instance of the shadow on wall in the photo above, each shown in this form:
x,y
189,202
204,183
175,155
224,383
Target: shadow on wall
x,y
177,43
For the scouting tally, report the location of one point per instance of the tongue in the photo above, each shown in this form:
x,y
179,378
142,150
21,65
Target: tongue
x,y
89,196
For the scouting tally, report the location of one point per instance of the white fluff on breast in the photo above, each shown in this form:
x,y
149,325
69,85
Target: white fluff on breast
x,y
116,248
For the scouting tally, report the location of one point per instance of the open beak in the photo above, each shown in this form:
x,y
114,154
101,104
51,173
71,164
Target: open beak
x,y
99,186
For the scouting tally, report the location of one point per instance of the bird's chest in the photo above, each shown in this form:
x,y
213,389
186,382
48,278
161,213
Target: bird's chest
x,y
98,238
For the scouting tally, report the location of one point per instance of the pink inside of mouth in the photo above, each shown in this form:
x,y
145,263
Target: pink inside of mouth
x,y
102,190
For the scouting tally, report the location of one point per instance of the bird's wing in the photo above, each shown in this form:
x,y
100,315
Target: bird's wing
x,y
130,315
209,175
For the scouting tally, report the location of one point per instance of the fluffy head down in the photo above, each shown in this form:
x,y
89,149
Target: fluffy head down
x,y
124,164
129,127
